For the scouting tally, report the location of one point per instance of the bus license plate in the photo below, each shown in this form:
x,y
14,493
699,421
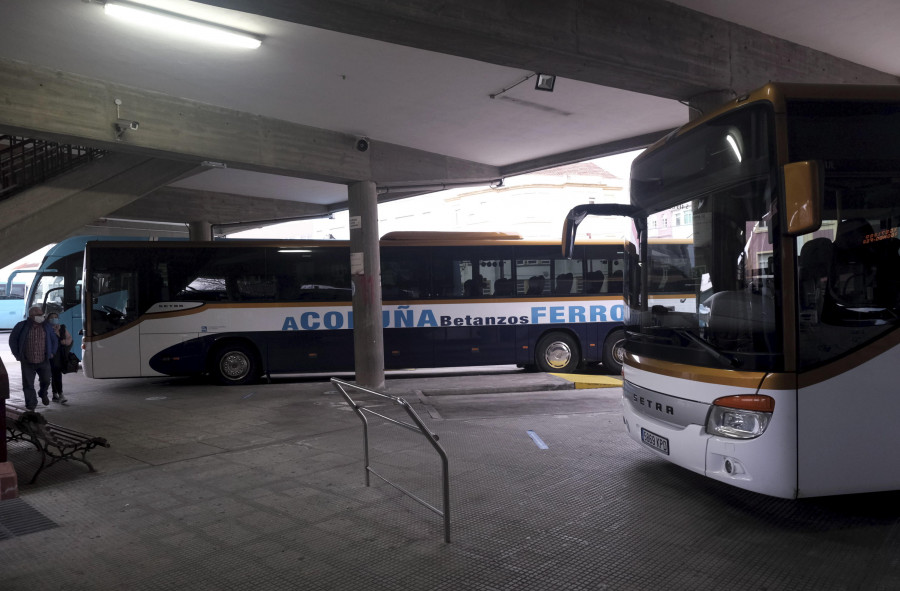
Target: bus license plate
x,y
655,441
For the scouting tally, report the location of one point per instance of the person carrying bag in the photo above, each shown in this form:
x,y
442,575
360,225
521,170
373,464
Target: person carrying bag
x,y
60,362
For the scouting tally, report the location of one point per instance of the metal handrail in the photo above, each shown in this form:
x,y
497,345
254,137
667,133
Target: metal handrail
x,y
417,426
25,162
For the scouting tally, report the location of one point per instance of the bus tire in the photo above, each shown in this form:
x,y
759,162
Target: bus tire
x,y
234,365
614,352
557,352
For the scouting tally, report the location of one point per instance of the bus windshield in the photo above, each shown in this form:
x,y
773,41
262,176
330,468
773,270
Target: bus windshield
x,y
718,191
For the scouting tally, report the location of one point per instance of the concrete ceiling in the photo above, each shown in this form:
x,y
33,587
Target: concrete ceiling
x,y
861,31
415,78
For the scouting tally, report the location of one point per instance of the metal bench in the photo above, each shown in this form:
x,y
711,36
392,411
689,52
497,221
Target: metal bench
x,y
53,441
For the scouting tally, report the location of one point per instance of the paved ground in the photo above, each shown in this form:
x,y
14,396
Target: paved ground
x,y
262,487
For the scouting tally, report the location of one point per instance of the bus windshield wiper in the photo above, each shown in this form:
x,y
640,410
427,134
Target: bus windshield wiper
x,y
707,346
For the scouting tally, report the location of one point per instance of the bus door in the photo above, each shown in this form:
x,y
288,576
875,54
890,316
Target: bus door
x,y
411,328
478,325
114,340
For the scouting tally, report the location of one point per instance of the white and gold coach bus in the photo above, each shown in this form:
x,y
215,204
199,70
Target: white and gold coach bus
x,y
783,377
239,309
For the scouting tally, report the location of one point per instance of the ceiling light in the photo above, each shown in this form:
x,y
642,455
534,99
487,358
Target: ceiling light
x,y
545,82
734,146
181,25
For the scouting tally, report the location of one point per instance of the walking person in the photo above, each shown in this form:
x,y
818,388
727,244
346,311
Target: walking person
x,y
33,343
58,363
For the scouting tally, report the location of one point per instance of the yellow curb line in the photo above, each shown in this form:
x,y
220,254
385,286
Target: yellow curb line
x,y
589,382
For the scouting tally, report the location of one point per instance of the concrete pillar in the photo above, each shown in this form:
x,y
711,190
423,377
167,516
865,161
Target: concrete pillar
x,y
707,102
200,231
365,271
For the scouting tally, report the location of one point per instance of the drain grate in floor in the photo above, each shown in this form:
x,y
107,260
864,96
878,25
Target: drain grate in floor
x,y
18,518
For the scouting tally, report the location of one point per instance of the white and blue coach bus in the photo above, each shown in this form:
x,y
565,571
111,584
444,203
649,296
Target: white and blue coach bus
x,y
236,310
56,285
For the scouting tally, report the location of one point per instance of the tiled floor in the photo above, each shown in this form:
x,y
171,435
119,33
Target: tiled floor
x,y
262,487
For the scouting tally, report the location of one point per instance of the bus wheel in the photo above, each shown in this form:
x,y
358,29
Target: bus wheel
x,y
235,365
557,352
614,352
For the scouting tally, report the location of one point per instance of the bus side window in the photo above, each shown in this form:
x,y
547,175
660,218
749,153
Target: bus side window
x,y
852,278
504,287
474,287
563,284
614,285
814,269
535,285
887,277
593,282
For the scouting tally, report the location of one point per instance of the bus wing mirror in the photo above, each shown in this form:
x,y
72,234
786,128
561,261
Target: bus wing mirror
x,y
570,227
803,195
577,214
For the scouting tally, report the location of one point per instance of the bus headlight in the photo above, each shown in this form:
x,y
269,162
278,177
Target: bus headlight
x,y
740,417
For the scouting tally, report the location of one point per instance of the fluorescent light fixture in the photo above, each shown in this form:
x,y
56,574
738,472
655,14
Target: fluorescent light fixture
x,y
734,147
293,250
181,25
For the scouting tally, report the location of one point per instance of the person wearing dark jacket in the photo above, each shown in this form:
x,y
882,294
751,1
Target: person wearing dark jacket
x,y
33,343
58,365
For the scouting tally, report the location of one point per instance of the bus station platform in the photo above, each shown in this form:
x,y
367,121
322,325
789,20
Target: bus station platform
x,y
263,487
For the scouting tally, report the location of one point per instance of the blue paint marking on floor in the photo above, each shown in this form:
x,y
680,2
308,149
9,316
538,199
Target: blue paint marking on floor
x,y
537,440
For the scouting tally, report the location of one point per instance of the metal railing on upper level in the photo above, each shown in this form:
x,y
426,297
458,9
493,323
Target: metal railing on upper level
x,y
418,426
25,162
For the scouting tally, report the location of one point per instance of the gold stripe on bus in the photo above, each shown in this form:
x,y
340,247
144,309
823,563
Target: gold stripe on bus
x,y
779,381
851,361
725,377
151,316
772,381
426,239
111,333
656,295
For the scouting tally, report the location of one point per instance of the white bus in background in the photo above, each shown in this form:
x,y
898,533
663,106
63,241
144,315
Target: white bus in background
x,y
236,310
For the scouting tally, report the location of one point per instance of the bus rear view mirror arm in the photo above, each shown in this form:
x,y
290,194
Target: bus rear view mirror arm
x,y
577,214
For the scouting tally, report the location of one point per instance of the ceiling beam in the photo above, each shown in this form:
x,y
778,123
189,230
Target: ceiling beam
x,y
648,46
599,151
40,215
170,204
69,108
111,226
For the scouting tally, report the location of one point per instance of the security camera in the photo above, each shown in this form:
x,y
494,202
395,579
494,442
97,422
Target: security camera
x,y
362,144
123,125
